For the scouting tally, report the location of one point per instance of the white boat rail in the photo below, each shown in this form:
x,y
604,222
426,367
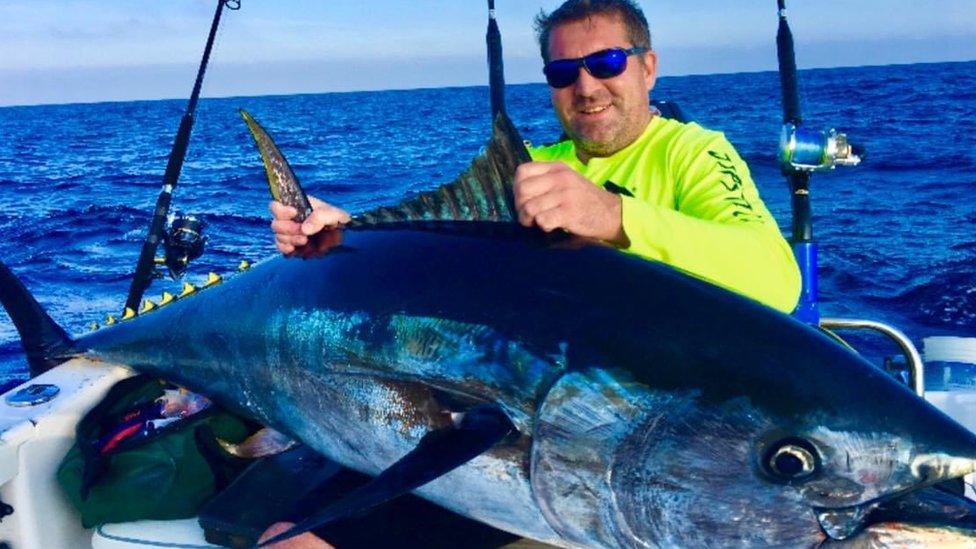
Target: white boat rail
x,y
916,368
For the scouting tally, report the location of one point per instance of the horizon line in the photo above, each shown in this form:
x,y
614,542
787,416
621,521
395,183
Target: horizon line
x,y
416,88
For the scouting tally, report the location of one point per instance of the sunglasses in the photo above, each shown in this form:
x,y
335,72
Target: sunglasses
x,y
602,64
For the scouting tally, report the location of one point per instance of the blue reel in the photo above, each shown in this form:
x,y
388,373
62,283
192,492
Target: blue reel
x,y
801,149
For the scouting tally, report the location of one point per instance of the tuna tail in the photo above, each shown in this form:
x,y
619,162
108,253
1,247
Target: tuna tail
x,y
482,193
45,343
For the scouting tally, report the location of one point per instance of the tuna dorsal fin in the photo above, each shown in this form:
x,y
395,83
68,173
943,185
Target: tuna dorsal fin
x,y
483,192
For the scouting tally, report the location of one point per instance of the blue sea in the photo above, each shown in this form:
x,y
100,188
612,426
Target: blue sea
x,y
897,234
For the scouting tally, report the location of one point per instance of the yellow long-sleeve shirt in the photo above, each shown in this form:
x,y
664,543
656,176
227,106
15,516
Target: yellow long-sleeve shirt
x,y
692,204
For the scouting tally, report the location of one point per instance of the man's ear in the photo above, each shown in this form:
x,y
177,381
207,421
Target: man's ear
x,y
650,68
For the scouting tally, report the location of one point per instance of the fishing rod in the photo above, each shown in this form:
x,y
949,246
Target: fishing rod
x,y
496,88
186,230
801,152
496,69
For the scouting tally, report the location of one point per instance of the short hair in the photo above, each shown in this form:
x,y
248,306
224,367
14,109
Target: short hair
x,y
577,10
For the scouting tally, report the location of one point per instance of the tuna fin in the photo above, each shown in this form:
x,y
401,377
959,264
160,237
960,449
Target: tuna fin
x,y
482,193
266,442
45,343
438,453
281,179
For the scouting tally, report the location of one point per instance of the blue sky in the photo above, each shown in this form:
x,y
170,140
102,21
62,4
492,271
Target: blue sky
x,y
63,51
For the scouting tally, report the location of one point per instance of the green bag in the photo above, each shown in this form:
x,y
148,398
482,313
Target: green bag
x,y
166,476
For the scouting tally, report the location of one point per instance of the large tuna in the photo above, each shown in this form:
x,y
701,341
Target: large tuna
x,y
650,408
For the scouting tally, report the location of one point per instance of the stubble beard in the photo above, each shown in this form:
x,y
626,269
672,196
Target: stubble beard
x,y
601,140
593,139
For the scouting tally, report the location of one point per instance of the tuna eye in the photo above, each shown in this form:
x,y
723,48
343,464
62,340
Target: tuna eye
x,y
791,459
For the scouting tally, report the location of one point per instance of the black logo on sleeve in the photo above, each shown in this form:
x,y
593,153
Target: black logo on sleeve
x,y
617,189
742,209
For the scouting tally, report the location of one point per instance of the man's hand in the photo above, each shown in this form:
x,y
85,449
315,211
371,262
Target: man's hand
x,y
302,541
320,228
552,196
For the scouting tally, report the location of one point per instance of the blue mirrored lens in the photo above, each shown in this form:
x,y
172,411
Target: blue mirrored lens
x,y
601,64
606,64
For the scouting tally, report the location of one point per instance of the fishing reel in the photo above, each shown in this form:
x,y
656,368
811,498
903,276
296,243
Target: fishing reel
x,y
806,150
183,241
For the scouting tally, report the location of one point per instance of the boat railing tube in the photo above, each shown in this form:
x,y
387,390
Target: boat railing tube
x,y
916,369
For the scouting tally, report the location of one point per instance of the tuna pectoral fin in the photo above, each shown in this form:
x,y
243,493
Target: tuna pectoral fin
x,y
437,454
44,341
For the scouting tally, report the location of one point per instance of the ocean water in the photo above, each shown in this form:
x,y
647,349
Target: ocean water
x,y
897,234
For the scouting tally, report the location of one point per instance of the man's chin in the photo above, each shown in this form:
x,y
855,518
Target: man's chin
x,y
596,138
594,147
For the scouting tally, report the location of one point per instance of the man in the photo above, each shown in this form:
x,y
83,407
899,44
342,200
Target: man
x,y
678,193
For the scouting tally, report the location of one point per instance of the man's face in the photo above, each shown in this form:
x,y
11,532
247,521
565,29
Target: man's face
x,y
601,116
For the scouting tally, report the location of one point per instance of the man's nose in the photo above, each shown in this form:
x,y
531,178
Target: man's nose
x,y
587,84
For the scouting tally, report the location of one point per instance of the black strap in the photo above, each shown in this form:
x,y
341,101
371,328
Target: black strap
x,y
438,453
